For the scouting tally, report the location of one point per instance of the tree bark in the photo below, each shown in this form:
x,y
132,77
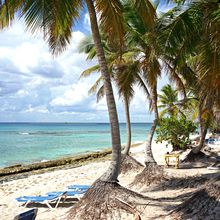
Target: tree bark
x,y
128,127
148,150
112,173
200,120
202,139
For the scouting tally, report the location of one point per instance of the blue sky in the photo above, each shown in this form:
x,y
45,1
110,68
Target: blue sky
x,y
36,87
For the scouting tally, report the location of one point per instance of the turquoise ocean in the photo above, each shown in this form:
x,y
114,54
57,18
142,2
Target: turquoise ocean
x,y
24,143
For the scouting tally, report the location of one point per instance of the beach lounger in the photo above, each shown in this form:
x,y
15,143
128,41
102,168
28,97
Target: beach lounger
x,y
42,199
79,187
28,215
71,193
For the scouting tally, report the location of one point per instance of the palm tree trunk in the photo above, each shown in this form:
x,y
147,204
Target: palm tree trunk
x,y
128,126
202,139
200,120
148,150
112,173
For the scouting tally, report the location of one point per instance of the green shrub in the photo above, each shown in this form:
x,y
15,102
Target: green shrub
x,y
175,131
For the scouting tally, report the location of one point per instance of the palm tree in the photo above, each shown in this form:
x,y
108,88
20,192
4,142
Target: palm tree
x,y
169,102
121,72
192,35
126,78
137,64
55,19
113,171
142,37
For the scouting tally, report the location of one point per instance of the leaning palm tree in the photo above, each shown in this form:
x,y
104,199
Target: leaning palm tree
x,y
124,74
121,79
142,35
55,19
140,38
141,48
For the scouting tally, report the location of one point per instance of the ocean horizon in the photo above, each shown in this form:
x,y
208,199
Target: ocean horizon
x,y
29,142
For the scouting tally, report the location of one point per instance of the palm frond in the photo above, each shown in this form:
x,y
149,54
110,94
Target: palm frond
x,y
111,19
174,77
181,32
86,45
54,18
143,86
96,86
8,10
100,94
133,21
162,113
209,77
151,71
146,11
89,71
125,79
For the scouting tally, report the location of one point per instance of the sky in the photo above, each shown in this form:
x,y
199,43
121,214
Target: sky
x,y
37,87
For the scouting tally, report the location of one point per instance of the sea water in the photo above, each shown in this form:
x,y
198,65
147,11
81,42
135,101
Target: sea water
x,y
23,143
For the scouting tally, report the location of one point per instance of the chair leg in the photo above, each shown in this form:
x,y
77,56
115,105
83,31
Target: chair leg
x,y
64,198
49,206
58,201
26,203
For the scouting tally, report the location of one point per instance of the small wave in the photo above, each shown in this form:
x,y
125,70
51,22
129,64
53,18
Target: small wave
x,y
24,133
44,161
53,133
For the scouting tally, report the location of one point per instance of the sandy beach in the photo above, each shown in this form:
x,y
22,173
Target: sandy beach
x,y
40,184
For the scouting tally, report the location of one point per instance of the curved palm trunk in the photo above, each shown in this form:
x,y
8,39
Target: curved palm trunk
x,y
128,127
200,120
112,173
148,150
202,139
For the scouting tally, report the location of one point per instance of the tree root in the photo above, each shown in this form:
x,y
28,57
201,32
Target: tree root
x,y
131,209
129,163
192,157
182,183
107,200
203,204
152,174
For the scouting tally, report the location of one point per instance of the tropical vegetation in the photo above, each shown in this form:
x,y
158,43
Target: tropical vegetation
x,y
175,131
133,45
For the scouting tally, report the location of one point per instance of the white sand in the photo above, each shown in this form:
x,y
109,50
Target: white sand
x,y
40,184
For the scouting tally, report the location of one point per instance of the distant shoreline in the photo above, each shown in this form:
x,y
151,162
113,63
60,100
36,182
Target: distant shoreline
x,y
49,165
25,143
71,123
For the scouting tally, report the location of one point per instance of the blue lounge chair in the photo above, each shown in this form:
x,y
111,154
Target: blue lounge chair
x,y
71,193
28,215
78,187
42,199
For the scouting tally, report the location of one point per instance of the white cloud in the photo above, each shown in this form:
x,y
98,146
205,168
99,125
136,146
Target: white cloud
x,y
86,22
22,93
35,86
73,96
38,109
100,106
